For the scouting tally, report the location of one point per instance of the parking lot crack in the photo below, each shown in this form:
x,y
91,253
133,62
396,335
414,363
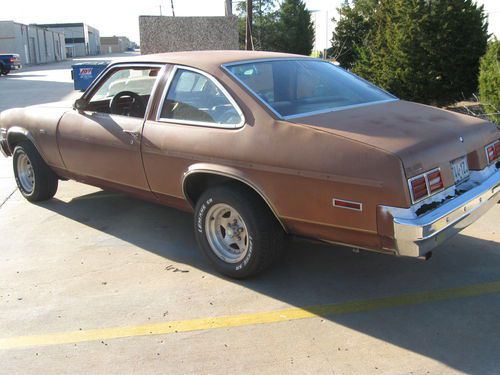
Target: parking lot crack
x,y
8,197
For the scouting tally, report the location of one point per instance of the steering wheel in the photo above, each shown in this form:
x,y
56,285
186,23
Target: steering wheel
x,y
136,106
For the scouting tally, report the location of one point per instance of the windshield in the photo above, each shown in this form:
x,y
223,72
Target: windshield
x,y
298,87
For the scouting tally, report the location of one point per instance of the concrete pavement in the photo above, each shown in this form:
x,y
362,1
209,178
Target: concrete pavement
x,y
89,263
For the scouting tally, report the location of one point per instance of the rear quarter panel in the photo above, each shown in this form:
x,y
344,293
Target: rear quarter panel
x,y
300,170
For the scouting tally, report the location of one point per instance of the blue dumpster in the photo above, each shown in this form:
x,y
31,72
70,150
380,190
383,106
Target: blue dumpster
x,y
83,74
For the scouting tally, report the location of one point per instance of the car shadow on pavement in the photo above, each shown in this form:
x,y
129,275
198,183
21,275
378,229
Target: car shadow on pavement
x,y
462,333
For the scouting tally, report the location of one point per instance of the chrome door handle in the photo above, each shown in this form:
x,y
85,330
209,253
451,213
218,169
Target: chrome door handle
x,y
133,133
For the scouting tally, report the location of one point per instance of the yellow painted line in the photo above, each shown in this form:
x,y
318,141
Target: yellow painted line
x,y
249,319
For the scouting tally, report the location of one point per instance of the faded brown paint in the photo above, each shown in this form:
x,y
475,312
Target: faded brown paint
x,y
364,155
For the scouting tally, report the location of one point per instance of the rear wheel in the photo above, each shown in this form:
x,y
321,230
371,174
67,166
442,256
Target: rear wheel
x,y
4,70
236,231
35,180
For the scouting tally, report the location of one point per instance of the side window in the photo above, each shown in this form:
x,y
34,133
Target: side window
x,y
193,97
259,78
125,91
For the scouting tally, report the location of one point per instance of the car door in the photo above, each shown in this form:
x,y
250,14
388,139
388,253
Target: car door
x,y
102,141
194,110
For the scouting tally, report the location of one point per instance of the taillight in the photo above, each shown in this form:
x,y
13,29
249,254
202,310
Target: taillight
x,y
493,151
435,181
426,184
12,59
419,188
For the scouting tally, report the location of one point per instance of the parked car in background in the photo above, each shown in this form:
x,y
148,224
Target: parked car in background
x,y
9,62
260,145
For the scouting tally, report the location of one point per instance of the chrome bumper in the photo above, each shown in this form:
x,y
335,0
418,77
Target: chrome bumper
x,y
415,237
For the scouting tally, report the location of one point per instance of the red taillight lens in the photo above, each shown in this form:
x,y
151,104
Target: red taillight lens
x,y
12,59
347,204
435,181
493,151
426,184
419,188
490,151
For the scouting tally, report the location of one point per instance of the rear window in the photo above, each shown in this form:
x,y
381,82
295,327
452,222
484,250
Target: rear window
x,y
298,87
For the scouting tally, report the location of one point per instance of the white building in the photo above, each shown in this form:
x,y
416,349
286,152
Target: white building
x,y
34,44
81,39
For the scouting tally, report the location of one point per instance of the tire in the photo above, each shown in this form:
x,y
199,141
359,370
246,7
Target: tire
x,y
35,180
259,236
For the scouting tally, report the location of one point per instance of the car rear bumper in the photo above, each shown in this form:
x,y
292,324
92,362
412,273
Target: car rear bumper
x,y
415,237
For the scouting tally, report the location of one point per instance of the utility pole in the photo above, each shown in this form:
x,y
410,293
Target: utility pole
x,y
228,8
160,11
248,38
173,11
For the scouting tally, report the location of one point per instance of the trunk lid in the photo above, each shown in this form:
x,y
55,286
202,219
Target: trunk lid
x,y
423,137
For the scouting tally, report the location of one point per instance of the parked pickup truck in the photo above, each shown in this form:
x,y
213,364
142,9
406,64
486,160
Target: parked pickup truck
x,y
260,145
8,62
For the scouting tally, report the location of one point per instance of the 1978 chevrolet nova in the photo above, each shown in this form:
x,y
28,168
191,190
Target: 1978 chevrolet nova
x,y
261,145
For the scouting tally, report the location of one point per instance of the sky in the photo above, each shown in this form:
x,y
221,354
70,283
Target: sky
x,y
120,17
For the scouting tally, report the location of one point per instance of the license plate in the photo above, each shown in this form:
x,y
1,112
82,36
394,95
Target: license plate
x,y
460,169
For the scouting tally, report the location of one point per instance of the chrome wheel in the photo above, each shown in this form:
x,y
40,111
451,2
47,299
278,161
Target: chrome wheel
x,y
25,173
226,233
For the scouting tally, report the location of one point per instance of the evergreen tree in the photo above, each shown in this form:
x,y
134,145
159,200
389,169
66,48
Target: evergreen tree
x,y
489,81
351,29
295,30
264,25
421,50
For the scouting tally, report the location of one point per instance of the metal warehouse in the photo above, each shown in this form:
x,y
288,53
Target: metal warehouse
x,y
34,44
115,44
81,39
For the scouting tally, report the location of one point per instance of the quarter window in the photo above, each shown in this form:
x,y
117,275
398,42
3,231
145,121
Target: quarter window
x,y
194,98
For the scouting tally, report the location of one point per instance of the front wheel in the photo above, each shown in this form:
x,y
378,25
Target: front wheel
x,y
236,231
34,178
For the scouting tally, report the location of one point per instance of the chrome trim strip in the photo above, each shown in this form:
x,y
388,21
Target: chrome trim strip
x,y
305,114
417,236
199,123
346,107
241,179
164,92
152,95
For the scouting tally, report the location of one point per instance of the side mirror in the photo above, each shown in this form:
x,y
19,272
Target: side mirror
x,y
80,104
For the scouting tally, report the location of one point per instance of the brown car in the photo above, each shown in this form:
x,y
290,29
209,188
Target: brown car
x,y
261,145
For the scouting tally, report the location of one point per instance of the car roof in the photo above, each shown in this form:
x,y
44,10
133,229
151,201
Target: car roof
x,y
211,61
